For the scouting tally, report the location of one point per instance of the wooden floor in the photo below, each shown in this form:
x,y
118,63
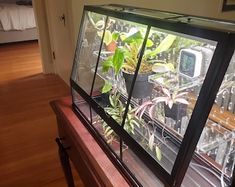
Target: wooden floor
x,y
28,153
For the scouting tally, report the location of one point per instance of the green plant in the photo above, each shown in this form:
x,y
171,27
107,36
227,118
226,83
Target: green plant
x,y
132,48
116,111
99,25
115,63
109,36
126,58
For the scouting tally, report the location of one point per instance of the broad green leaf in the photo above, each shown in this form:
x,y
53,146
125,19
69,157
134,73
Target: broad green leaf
x,y
139,43
133,38
107,64
115,36
107,37
107,87
149,43
118,60
147,53
158,153
164,45
123,36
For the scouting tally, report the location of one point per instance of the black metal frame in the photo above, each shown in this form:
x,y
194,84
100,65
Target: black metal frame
x,y
219,63
166,24
227,7
206,98
131,179
135,147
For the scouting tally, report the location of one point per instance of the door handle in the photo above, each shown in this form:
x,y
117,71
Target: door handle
x,y
62,19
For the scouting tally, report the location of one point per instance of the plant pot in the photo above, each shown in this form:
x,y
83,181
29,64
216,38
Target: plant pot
x,y
102,99
111,47
176,113
142,87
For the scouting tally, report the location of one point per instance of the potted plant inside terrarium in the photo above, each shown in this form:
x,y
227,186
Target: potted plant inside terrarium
x,y
133,44
113,64
133,125
110,37
175,105
127,59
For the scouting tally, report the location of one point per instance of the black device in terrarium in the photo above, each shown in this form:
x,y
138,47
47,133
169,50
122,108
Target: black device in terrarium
x,y
144,83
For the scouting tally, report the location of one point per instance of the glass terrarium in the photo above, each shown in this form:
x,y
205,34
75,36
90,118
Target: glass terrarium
x,y
144,82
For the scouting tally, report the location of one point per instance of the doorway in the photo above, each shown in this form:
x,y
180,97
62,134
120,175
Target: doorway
x,y
60,37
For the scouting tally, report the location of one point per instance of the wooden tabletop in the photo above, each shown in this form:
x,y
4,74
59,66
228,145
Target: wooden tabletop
x,y
94,154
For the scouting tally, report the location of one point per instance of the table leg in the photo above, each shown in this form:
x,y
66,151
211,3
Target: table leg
x,y
64,159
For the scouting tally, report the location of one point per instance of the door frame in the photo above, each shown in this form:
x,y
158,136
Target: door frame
x,y
46,40
52,38
43,36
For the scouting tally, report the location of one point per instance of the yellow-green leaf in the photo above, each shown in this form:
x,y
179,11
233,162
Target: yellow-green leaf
x,y
118,60
107,37
107,87
164,45
149,43
115,36
107,64
134,37
158,153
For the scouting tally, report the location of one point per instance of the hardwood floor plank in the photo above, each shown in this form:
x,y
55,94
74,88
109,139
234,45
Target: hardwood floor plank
x,y
28,155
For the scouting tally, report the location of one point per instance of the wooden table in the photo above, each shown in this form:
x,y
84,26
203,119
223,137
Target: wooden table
x,y
77,144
